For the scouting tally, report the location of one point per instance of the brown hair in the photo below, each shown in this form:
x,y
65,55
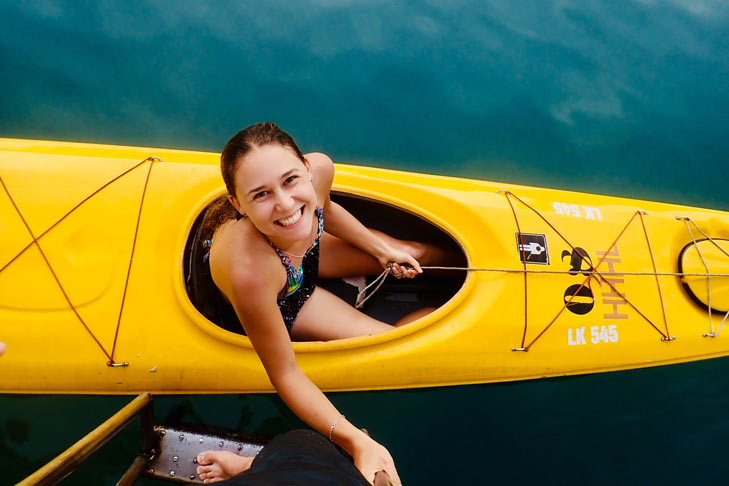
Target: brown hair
x,y
258,135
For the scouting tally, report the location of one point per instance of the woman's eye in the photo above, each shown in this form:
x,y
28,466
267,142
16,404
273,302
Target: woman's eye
x,y
259,195
290,179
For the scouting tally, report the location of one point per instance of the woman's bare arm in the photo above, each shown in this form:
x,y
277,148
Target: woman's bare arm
x,y
341,223
254,300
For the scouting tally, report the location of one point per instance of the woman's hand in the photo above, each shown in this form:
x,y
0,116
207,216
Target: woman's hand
x,y
370,458
403,263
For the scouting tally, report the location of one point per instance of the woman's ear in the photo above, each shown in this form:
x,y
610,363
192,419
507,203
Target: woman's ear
x,y
235,204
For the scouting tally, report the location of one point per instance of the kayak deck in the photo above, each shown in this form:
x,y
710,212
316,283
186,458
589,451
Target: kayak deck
x,y
94,276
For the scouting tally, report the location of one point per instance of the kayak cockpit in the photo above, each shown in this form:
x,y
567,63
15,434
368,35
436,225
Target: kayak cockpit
x,y
395,299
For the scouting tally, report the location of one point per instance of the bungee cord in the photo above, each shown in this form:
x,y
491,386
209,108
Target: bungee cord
x,y
592,272
151,160
708,275
35,242
50,267
363,296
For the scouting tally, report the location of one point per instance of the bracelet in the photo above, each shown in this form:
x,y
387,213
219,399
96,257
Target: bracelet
x,y
334,424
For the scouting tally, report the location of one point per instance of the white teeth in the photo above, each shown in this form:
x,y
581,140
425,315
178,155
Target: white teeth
x,y
291,219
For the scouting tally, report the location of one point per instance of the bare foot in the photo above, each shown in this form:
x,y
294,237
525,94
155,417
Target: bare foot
x,y
218,465
2,348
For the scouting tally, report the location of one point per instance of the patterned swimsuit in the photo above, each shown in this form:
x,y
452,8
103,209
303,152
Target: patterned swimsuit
x,y
300,281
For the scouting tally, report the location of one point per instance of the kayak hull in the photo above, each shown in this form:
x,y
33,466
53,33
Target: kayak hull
x,y
68,265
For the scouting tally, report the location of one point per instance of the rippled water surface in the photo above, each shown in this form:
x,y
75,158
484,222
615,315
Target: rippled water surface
x,y
625,98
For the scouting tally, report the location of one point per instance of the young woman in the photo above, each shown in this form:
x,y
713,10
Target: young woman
x,y
277,230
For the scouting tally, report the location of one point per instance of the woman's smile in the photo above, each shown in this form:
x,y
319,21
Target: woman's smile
x,y
292,220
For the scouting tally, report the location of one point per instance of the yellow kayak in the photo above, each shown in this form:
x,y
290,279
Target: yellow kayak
x,y
103,284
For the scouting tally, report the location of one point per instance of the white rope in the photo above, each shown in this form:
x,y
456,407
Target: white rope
x,y
722,322
708,277
574,272
686,221
362,296
708,237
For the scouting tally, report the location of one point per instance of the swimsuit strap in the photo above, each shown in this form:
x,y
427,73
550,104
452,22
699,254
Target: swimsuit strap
x,y
295,275
320,229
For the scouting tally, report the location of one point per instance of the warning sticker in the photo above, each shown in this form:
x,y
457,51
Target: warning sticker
x,y
532,248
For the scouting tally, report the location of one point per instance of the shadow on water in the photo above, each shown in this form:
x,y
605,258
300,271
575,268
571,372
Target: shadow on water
x,y
657,425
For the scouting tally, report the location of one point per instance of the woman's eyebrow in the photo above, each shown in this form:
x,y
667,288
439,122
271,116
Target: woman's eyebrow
x,y
283,176
256,189
288,173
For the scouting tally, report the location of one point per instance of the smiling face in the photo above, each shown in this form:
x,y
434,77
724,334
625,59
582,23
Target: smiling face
x,y
274,189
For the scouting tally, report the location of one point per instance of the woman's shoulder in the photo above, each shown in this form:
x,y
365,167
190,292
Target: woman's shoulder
x,y
322,166
322,171
240,254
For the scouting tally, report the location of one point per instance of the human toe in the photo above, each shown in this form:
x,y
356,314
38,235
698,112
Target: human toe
x,y
204,471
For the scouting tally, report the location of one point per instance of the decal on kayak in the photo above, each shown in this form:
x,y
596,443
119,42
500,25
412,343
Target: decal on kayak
x,y
580,261
574,210
532,248
612,297
579,297
598,334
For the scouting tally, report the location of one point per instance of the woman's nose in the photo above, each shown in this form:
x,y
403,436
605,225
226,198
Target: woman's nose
x,y
284,200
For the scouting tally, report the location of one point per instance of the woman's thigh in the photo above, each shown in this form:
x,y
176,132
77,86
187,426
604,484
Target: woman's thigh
x,y
325,316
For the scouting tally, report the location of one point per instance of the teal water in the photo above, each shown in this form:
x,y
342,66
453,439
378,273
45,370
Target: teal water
x,y
627,98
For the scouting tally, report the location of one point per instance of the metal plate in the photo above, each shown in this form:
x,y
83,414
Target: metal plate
x,y
176,452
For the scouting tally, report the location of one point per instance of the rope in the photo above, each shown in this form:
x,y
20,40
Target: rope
x,y
363,297
591,273
686,221
610,284
708,278
570,272
152,160
50,267
35,242
720,326
653,262
523,262
704,234
69,213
